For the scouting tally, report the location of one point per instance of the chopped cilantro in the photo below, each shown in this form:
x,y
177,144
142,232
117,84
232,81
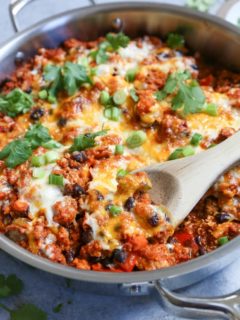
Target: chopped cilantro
x,y
16,102
67,78
175,40
85,141
18,151
112,43
10,285
118,40
27,312
188,94
37,135
58,308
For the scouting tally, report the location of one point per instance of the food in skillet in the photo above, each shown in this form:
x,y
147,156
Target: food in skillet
x,y
76,120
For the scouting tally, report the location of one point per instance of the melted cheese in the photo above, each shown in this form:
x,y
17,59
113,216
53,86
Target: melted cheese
x,y
42,196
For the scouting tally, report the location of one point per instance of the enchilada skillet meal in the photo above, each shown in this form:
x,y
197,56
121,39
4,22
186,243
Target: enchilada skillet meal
x,y
75,121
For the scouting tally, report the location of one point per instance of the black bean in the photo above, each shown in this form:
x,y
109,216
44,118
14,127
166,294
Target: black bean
x,y
106,261
36,114
119,255
62,122
202,251
7,219
222,217
194,66
87,236
69,255
198,241
153,220
94,259
129,204
163,55
28,90
77,191
108,206
100,197
79,156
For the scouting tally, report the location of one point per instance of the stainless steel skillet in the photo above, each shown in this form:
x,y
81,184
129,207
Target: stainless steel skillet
x,y
213,37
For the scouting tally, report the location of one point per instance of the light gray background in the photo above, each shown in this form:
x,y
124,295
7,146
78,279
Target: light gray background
x,y
46,290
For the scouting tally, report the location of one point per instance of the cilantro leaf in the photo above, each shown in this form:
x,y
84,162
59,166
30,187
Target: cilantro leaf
x,y
175,40
67,78
117,40
58,308
16,152
16,102
99,56
28,312
74,75
52,74
112,43
37,135
85,141
10,285
188,93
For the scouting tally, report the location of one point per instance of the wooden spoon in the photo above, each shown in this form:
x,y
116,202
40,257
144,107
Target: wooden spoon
x,y
180,184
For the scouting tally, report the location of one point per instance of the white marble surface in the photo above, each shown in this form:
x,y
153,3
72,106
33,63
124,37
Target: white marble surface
x,y
46,290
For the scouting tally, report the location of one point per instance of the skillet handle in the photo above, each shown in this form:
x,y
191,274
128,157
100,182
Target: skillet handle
x,y
16,6
222,307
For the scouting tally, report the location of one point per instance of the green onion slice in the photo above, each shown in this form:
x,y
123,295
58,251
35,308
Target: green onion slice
x,y
136,139
119,149
56,179
119,97
38,161
196,138
182,153
51,156
115,210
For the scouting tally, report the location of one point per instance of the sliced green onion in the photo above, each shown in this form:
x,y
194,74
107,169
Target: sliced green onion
x,y
181,153
211,109
119,97
119,149
136,139
52,99
134,95
104,97
122,173
112,113
51,156
83,61
38,173
51,144
131,74
223,240
115,210
196,138
43,94
38,161
56,179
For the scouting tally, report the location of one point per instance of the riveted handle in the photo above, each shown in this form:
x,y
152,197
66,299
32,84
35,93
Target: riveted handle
x,y
222,307
17,5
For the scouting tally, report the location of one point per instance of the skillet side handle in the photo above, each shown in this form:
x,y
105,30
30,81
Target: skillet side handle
x,y
222,307
16,6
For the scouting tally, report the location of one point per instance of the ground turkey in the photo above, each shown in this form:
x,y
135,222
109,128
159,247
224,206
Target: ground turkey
x,y
65,211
